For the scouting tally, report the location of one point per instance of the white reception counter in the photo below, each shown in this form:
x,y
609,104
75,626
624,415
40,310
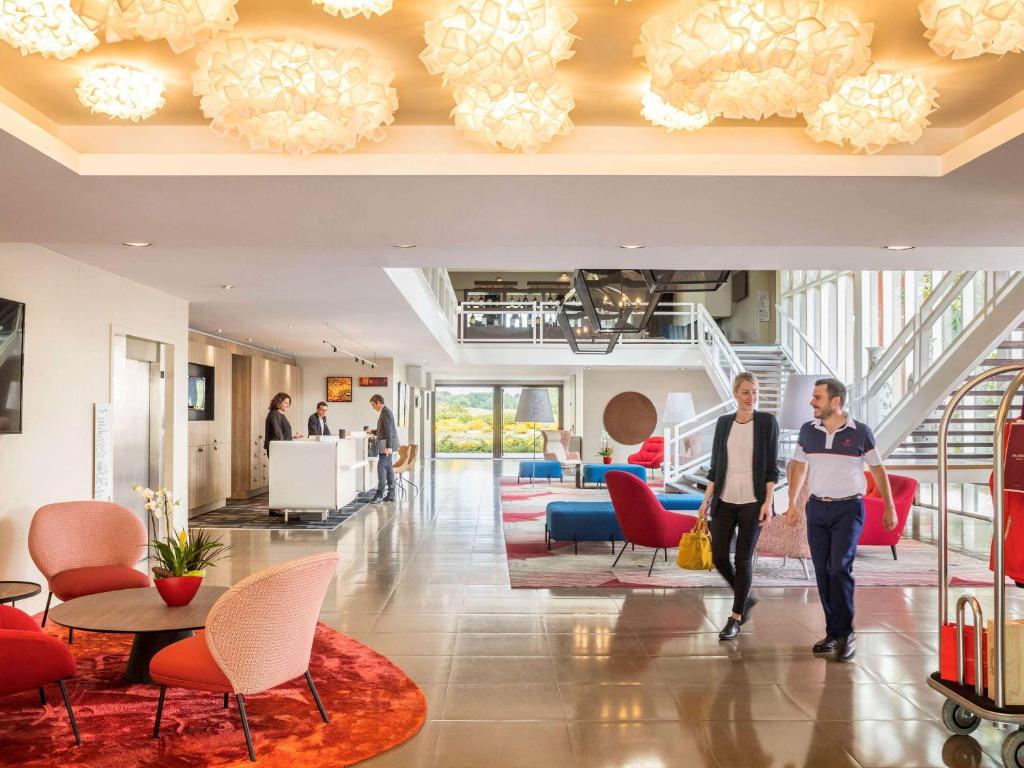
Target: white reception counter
x,y
322,474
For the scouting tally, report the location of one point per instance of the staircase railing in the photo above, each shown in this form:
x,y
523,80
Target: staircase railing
x,y
723,362
799,350
956,305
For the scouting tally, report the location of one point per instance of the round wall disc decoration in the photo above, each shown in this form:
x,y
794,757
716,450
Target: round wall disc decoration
x,y
630,418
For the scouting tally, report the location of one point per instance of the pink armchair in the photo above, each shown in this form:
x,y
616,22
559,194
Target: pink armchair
x,y
259,634
644,521
86,547
904,489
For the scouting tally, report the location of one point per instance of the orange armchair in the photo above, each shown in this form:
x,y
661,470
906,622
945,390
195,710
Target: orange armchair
x,y
29,658
904,489
86,547
259,634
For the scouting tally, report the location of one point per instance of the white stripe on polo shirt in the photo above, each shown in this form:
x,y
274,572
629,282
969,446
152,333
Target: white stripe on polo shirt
x,y
836,459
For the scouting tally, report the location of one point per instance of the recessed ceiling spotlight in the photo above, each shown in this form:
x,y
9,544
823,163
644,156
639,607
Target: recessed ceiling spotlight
x,y
220,330
138,244
248,339
403,245
899,247
632,246
227,286
273,347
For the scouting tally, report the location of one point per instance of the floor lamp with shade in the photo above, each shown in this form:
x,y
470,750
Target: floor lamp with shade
x,y
796,405
679,408
534,407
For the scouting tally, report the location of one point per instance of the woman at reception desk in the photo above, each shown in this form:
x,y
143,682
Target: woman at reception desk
x,y
318,474
275,428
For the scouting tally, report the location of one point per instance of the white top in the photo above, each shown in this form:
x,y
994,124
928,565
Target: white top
x,y
836,459
739,473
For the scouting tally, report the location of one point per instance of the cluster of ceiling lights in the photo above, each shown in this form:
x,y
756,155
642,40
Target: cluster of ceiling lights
x,y
499,59
605,303
707,59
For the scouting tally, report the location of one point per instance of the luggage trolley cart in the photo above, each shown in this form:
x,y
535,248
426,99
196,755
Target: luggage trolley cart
x,y
966,706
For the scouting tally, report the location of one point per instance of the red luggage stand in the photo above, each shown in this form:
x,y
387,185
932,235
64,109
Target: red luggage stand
x,y
967,700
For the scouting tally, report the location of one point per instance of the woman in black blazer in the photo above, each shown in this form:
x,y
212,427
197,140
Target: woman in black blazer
x,y
277,427
741,482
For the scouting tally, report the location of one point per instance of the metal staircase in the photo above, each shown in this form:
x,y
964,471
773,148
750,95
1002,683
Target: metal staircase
x,y
772,368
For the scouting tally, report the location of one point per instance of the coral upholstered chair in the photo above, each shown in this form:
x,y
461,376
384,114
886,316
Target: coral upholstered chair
x,y
259,634
86,547
904,489
651,453
29,658
644,521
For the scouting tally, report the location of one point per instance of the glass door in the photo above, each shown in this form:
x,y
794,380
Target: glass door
x,y
522,440
464,421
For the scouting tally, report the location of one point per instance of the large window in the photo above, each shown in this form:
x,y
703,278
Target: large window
x,y
480,421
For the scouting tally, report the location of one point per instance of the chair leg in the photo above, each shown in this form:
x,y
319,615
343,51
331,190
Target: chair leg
x,y
245,728
42,696
807,574
785,560
71,712
159,712
225,701
893,548
46,612
575,545
316,697
666,554
653,559
624,543
71,635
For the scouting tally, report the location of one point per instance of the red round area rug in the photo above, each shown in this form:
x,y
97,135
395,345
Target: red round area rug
x,y
372,704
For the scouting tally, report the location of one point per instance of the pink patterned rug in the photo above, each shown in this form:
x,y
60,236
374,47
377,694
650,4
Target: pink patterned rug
x,y
532,566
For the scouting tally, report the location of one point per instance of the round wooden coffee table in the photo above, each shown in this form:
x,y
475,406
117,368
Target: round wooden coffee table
x,y
140,612
12,591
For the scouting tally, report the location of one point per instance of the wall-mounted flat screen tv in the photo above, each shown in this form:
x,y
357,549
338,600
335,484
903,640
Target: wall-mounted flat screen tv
x,y
200,392
12,364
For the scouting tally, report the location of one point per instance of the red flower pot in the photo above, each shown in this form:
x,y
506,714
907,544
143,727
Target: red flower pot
x,y
178,590
607,459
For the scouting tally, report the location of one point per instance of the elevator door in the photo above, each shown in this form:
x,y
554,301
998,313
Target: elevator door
x,y
132,435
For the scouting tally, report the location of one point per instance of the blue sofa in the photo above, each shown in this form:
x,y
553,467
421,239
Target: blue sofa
x,y
578,521
594,473
551,470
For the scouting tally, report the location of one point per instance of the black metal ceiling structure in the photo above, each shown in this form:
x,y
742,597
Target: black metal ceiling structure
x,y
671,280
615,300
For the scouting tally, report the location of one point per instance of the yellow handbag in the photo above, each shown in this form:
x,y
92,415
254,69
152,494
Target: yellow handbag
x,y
695,548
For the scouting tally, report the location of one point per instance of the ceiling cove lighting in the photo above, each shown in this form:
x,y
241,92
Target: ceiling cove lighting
x,y
121,92
615,300
289,96
47,27
497,44
350,8
522,118
872,111
963,29
752,58
672,280
579,332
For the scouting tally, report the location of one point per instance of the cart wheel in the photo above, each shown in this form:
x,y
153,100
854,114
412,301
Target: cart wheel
x,y
959,720
1013,750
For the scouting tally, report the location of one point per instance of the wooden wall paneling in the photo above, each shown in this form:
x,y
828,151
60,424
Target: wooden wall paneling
x,y
241,425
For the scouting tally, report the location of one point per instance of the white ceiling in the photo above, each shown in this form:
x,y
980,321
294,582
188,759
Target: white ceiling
x,y
307,250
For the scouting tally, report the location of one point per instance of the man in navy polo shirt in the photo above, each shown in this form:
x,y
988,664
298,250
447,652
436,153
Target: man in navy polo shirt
x,y
835,448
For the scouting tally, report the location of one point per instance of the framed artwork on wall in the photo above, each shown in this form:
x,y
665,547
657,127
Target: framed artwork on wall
x,y
339,389
373,381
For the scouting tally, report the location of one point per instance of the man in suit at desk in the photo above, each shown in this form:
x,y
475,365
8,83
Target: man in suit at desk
x,y
318,421
386,431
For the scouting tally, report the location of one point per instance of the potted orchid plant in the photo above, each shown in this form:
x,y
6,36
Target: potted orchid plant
x,y
181,556
606,452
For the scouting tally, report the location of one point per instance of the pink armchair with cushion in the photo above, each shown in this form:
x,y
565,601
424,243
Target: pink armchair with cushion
x,y
87,547
644,521
904,489
651,453
259,634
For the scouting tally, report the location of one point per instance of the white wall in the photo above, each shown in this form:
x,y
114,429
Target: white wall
x,y
601,385
71,311
742,325
351,416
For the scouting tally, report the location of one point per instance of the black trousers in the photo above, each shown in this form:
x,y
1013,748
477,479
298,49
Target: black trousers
x,y
725,521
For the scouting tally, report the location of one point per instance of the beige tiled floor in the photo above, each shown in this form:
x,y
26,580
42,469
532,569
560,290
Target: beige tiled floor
x,y
615,678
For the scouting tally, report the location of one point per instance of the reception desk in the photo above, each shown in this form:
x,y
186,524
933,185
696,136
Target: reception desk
x,y
321,474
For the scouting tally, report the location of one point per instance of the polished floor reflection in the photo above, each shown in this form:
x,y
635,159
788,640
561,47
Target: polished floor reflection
x,y
620,677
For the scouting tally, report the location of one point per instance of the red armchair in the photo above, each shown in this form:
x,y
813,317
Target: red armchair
x,y
904,489
29,658
644,521
651,453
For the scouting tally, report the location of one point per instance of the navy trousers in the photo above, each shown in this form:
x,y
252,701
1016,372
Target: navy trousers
x,y
833,529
